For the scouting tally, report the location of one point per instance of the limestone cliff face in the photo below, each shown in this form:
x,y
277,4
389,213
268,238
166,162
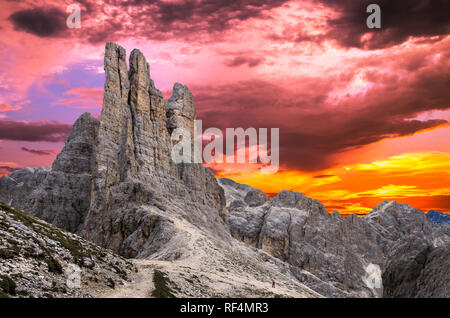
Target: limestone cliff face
x,y
349,254
114,182
417,269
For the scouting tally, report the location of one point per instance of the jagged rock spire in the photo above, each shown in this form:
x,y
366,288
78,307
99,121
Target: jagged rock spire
x,y
133,149
180,109
114,182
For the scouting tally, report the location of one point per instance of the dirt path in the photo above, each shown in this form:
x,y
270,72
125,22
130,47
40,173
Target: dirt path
x,y
208,271
141,285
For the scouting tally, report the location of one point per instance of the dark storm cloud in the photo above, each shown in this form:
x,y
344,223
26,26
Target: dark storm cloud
x,y
52,131
162,20
312,131
190,19
38,152
399,19
156,20
40,21
216,13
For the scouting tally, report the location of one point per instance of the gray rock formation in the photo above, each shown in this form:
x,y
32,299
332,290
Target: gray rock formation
x,y
38,259
180,109
416,269
114,182
406,262
346,257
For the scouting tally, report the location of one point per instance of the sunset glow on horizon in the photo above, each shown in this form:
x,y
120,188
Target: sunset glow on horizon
x,y
363,115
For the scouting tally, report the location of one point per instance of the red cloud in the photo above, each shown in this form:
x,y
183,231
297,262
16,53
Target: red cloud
x,y
52,131
39,152
86,98
8,108
7,167
314,126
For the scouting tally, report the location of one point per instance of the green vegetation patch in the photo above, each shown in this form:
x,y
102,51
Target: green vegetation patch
x,y
77,250
53,265
162,285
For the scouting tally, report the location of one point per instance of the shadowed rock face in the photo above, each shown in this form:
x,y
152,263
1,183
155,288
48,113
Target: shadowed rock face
x,y
346,256
404,267
114,182
416,269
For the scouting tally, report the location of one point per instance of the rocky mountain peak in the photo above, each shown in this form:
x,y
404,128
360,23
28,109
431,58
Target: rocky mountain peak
x,y
79,147
291,199
115,182
438,217
180,109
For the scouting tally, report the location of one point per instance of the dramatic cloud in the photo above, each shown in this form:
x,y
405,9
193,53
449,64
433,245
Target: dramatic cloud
x,y
317,121
419,179
40,21
7,167
344,21
400,20
9,108
157,20
202,15
199,20
52,131
39,152
83,98
241,60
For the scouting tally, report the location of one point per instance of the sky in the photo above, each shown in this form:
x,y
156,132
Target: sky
x,y
363,113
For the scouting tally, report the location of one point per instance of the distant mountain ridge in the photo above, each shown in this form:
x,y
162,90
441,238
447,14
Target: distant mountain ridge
x,y
358,255
438,217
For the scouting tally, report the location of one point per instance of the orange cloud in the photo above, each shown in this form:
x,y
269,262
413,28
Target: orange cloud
x,y
84,98
9,108
420,179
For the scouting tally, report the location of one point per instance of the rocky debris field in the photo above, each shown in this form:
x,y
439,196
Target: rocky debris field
x,y
211,268
368,256
40,260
